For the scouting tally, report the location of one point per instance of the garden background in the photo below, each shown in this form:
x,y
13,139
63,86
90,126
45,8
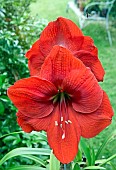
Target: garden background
x,y
21,23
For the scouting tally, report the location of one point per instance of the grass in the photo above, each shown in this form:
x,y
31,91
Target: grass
x,y
50,10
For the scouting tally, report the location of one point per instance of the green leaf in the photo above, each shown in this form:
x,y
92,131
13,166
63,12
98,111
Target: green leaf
x,y
92,157
113,166
27,167
9,138
21,151
2,78
78,156
1,82
86,150
99,161
106,141
109,159
4,98
42,135
34,158
76,167
54,162
1,108
94,167
12,133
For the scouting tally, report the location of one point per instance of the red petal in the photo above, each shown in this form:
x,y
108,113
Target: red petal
x,y
32,96
29,124
60,32
64,149
35,58
93,62
94,123
58,65
34,64
33,51
98,70
85,92
88,45
69,27
24,125
61,29
71,43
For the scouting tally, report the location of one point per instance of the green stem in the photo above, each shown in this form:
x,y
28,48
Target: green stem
x,y
109,159
64,166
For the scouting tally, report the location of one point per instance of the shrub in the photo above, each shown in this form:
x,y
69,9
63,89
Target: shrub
x,y
18,30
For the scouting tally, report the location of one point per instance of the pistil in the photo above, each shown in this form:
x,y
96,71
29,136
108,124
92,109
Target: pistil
x,y
62,99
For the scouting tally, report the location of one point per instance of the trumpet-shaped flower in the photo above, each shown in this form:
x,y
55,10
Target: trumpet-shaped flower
x,y
64,32
65,100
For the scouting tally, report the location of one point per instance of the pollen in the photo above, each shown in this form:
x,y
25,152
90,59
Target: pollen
x,y
61,125
66,122
61,119
56,123
69,121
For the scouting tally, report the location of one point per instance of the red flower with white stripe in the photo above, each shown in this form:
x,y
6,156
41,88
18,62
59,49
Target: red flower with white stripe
x,y
65,100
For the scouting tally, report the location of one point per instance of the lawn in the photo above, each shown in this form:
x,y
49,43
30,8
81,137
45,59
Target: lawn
x,y
50,10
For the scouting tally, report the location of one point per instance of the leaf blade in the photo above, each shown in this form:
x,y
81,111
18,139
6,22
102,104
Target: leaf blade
x,y
94,167
108,139
27,167
54,162
34,158
86,150
76,167
21,151
109,159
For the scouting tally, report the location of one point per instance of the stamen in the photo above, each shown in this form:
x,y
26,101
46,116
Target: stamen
x,y
66,122
56,123
61,119
61,125
63,135
69,121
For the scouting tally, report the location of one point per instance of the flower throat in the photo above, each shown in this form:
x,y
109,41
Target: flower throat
x,y
62,99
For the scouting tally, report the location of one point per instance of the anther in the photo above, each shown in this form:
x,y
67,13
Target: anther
x,y
66,122
56,123
61,125
61,119
69,121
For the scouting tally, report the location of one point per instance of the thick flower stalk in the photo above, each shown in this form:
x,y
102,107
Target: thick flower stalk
x,y
65,100
65,33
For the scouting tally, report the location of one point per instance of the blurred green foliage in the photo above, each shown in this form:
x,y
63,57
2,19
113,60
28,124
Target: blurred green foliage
x,y
113,11
17,32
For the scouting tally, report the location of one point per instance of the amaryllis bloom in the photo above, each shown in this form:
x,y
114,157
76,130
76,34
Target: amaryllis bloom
x,y
65,100
65,33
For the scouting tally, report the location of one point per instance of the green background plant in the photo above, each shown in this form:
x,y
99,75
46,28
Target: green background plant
x,y
18,30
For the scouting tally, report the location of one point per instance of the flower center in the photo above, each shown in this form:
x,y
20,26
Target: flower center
x,y
62,99
60,96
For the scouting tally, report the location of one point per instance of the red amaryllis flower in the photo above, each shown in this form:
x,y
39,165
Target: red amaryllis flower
x,y
65,100
64,32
